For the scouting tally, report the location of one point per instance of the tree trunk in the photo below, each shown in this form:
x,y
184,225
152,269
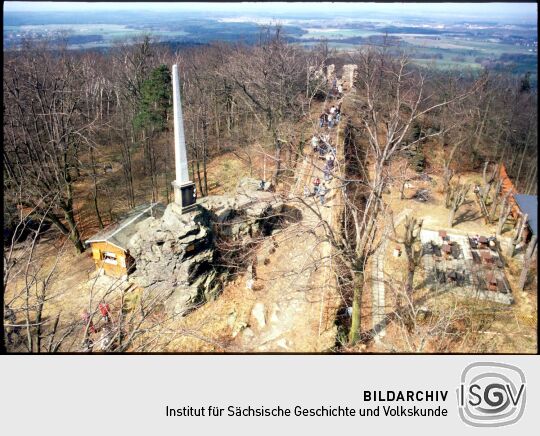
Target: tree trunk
x,y
451,217
481,129
74,234
39,316
153,175
505,212
495,201
204,153
411,266
127,168
29,338
3,348
525,148
277,172
529,255
358,283
205,175
532,181
199,178
95,190
522,221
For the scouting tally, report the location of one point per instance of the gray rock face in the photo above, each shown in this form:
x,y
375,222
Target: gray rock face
x,y
174,255
245,214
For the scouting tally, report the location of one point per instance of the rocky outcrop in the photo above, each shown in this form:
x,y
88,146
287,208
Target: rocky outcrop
x,y
175,254
252,211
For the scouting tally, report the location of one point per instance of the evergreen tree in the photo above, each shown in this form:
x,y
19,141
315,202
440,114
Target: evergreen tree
x,y
155,100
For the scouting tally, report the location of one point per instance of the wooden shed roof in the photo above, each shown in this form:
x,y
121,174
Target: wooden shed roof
x,y
119,234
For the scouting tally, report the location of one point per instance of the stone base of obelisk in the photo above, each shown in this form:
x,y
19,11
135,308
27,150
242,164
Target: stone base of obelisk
x,y
184,197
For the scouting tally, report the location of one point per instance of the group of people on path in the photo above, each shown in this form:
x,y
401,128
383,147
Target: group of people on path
x,y
322,146
336,90
330,117
319,190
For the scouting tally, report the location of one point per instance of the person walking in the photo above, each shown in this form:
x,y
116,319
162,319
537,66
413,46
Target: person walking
x,y
323,119
330,121
105,311
322,193
326,172
338,111
316,184
330,161
315,143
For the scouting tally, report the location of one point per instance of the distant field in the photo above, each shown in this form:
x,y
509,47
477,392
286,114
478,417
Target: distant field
x,y
437,50
447,64
79,36
334,33
449,42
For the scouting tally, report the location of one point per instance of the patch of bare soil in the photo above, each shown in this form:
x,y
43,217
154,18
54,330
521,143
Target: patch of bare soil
x,y
477,326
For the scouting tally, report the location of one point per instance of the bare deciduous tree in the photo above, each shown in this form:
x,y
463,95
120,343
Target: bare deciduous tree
x,y
457,196
409,239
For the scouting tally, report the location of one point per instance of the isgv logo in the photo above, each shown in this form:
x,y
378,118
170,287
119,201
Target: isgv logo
x,y
491,394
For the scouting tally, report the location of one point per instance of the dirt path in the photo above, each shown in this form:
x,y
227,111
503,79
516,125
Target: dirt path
x,y
286,311
296,297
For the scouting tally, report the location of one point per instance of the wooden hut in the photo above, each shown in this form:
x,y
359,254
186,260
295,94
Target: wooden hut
x,y
109,247
528,205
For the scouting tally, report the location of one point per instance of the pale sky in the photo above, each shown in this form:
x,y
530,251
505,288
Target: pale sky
x,y
483,11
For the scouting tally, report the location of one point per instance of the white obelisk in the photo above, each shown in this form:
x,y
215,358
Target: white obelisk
x,y
184,189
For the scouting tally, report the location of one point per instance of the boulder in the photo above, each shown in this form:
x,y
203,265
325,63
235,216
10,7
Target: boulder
x,y
274,315
174,257
247,334
220,206
244,214
258,314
